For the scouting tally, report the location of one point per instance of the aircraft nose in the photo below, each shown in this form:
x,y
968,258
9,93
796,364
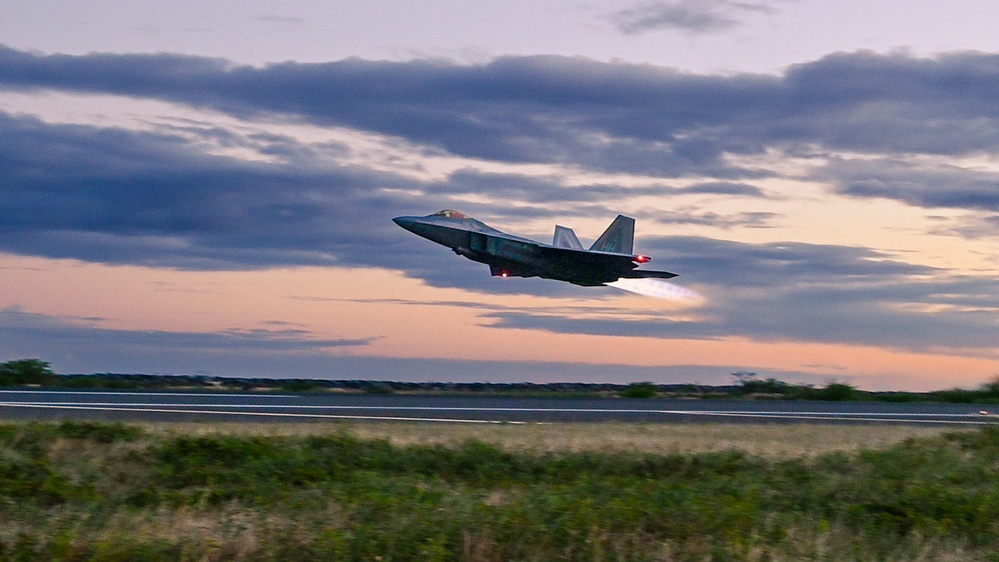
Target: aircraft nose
x,y
405,222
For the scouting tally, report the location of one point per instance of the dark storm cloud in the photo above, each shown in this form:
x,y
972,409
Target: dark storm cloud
x,y
602,116
922,185
156,198
697,16
805,292
117,196
124,197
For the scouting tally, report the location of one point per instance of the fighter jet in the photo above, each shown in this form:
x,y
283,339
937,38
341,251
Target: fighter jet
x,y
609,258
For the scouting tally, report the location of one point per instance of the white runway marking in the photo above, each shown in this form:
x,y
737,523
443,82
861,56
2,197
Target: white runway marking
x,y
241,409
888,417
270,414
98,393
768,413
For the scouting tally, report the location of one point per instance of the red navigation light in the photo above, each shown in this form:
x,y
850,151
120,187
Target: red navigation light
x,y
642,259
505,274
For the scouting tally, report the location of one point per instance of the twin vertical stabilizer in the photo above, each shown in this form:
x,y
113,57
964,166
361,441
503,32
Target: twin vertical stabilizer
x,y
619,238
566,238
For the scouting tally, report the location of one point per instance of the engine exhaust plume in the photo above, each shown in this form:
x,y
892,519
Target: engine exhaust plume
x,y
657,288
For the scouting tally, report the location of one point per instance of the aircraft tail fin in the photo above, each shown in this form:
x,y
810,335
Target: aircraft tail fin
x,y
566,238
619,238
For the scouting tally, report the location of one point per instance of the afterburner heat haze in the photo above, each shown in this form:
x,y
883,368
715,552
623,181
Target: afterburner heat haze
x,y
657,288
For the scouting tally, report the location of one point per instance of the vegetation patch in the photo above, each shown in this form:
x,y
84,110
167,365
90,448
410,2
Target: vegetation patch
x,y
37,373
639,390
91,491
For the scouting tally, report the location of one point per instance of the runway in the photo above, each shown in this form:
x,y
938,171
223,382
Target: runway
x,y
264,407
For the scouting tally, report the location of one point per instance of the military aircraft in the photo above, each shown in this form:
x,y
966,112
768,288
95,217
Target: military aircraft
x,y
609,259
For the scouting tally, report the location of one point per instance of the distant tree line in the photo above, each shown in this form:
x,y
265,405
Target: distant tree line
x,y
750,386
747,385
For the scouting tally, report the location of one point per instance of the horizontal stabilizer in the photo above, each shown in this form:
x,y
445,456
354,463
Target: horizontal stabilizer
x,y
647,274
566,238
619,238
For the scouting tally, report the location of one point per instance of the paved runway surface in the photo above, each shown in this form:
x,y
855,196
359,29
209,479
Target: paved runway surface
x,y
259,407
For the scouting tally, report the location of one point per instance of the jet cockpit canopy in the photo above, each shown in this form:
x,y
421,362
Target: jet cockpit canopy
x,y
451,214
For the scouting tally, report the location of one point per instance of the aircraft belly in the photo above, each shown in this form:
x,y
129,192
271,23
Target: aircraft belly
x,y
557,271
512,258
586,269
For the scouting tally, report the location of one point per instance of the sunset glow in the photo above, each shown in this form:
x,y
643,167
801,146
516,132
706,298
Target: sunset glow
x,y
180,202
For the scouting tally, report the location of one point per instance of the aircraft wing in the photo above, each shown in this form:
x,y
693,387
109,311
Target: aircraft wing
x,y
587,257
602,267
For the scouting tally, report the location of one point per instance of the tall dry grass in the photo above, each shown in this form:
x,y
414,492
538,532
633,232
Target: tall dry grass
x,y
404,491
771,441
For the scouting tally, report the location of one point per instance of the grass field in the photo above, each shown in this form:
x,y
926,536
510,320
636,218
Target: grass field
x,y
92,491
772,441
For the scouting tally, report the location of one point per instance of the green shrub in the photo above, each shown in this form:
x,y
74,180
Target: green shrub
x,y
837,392
639,390
25,371
334,496
750,385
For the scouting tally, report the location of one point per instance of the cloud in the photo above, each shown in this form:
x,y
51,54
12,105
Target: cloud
x,y
803,292
119,196
919,184
746,220
780,292
73,346
156,199
725,188
601,116
18,327
870,125
971,227
987,226
695,16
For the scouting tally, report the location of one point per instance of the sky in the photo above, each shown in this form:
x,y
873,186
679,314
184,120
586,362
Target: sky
x,y
208,187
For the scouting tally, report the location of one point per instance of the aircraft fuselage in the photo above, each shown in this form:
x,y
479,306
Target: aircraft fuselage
x,y
512,256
